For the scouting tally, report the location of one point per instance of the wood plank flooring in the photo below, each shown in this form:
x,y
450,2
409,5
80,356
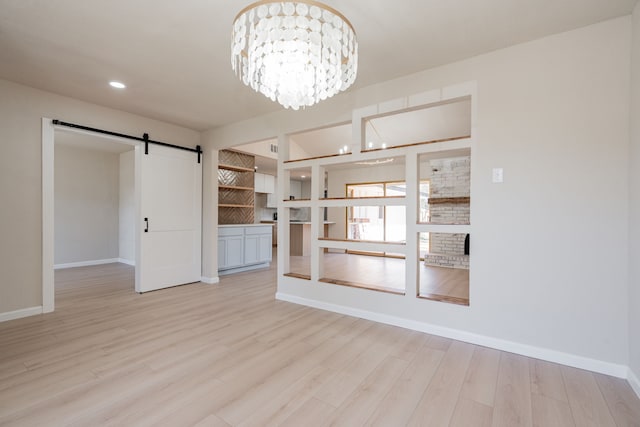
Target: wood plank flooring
x,y
387,275
231,355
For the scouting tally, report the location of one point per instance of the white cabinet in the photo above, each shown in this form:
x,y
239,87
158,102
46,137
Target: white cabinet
x,y
269,184
257,248
230,247
243,247
263,183
258,182
272,199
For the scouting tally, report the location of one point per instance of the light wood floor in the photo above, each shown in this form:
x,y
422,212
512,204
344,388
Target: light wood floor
x,y
230,354
388,274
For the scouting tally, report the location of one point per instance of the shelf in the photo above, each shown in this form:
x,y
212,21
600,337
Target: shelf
x,y
232,187
433,141
361,285
444,298
362,198
298,276
225,205
317,157
235,168
448,200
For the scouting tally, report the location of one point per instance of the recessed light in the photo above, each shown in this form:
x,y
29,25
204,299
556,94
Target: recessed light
x,y
117,85
384,145
302,176
346,149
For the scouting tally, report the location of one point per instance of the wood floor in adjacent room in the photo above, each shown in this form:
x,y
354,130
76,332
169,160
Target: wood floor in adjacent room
x,y
229,354
388,275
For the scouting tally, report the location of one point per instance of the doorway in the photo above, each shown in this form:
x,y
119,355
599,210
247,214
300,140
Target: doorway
x,y
167,188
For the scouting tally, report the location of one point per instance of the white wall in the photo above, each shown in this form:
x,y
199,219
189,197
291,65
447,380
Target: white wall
x,y
86,205
127,208
21,112
550,112
634,206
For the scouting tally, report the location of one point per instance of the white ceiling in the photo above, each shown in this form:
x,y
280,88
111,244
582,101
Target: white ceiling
x,y
174,56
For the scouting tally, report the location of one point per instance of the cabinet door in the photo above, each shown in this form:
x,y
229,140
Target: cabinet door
x,y
272,200
222,254
251,249
258,183
234,251
264,247
269,184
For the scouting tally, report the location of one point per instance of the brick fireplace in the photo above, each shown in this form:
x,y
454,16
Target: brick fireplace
x,y
449,187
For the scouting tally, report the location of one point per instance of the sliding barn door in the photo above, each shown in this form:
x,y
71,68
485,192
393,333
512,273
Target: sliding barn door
x,y
171,218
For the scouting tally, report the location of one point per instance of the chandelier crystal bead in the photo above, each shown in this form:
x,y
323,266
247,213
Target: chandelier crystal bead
x,y
295,53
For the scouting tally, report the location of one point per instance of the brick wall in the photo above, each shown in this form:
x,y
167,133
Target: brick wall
x,y
449,178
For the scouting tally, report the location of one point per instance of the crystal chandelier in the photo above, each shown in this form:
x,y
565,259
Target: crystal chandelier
x,y
296,53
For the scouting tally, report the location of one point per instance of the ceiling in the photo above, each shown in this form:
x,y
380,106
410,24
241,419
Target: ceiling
x,y
174,56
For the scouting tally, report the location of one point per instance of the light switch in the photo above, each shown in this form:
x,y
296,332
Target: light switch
x,y
498,175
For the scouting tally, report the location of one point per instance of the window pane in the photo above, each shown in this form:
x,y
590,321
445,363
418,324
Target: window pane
x,y
366,223
365,190
396,189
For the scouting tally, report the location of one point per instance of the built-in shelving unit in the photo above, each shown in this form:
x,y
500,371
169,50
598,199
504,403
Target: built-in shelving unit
x,y
416,161
235,187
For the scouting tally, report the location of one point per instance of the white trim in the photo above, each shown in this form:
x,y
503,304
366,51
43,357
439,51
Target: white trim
x,y
131,262
48,288
613,369
244,268
48,167
210,280
18,314
634,382
86,263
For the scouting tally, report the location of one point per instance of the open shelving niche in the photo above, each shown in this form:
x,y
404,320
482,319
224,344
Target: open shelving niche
x,y
411,152
235,187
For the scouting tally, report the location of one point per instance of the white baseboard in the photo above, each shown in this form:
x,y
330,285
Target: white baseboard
x,y
86,263
616,370
127,261
210,280
244,268
634,382
18,314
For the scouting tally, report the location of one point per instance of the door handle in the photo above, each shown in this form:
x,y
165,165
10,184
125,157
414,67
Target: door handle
x,y
146,228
